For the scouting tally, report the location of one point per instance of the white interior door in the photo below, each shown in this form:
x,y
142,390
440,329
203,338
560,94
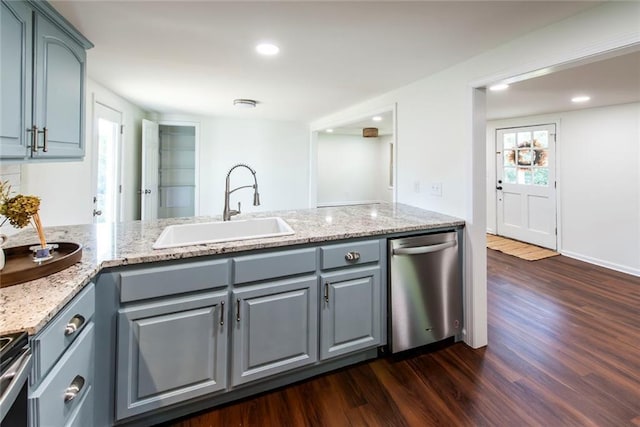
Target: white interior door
x,y
149,167
526,184
107,177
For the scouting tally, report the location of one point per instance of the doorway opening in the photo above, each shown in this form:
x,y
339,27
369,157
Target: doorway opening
x,y
169,169
354,161
107,160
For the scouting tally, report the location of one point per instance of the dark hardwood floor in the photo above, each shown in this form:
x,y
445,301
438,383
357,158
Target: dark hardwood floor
x,y
564,350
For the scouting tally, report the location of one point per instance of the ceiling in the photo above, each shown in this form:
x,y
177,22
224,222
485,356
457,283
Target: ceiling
x,y
195,57
610,81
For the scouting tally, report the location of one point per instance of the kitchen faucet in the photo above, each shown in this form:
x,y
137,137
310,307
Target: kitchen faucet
x,y
228,213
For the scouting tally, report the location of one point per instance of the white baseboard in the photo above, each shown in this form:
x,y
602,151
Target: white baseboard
x,y
601,263
491,231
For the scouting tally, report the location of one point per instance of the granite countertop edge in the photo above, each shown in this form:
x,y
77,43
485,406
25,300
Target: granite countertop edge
x,y
30,306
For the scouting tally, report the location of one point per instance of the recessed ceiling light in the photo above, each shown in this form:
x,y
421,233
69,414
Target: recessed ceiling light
x,y
244,103
581,98
498,87
268,49
329,130
376,118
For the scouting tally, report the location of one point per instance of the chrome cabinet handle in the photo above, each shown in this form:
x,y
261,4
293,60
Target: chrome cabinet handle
x,y
74,324
326,291
238,310
34,138
221,313
352,256
74,389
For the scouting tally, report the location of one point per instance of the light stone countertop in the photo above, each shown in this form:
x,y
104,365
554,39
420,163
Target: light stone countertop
x,y
29,306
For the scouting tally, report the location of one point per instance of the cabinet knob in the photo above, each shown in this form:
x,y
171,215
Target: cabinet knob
x,y
74,324
352,256
74,388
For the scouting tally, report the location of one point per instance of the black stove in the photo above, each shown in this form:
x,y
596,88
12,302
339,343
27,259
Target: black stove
x,y
11,346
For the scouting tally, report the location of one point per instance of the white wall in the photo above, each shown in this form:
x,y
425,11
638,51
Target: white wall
x,y
352,169
440,139
66,188
598,171
277,150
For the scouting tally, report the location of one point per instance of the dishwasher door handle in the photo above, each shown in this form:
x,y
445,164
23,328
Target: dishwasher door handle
x,y
419,250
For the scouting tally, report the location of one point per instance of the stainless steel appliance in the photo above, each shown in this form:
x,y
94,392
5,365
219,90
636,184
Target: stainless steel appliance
x,y
15,364
426,289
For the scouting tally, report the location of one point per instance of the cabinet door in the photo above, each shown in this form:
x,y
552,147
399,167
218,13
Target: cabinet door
x,y
59,72
276,328
170,351
350,311
15,78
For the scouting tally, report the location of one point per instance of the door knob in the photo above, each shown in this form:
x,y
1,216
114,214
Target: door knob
x,y
499,187
97,212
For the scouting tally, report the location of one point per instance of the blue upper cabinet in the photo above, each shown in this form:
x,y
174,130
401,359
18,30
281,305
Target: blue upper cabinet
x,y
43,84
15,78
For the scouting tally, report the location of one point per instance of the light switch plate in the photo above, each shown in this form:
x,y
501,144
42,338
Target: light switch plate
x,y
436,189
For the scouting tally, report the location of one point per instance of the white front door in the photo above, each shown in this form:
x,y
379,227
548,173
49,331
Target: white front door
x,y
107,166
526,184
150,160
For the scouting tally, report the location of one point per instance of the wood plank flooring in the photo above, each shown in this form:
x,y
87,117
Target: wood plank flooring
x,y
564,350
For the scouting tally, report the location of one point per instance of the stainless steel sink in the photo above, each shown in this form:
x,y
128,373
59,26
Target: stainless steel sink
x,y
222,231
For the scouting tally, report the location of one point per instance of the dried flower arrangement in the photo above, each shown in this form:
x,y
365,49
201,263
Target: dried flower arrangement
x,y
21,210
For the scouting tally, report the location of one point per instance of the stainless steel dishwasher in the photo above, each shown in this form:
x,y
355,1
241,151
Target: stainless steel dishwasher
x,y
426,289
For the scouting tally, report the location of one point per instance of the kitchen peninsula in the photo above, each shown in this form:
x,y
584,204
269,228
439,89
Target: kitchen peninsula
x,y
218,302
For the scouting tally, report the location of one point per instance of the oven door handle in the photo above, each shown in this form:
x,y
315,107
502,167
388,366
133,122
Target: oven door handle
x,y
14,378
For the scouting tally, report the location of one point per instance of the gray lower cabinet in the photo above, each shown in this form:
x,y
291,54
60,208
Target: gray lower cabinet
x,y
275,328
351,311
42,75
170,350
62,378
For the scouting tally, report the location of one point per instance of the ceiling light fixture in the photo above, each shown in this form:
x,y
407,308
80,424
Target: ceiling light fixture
x,y
244,103
376,118
498,87
329,130
267,49
580,98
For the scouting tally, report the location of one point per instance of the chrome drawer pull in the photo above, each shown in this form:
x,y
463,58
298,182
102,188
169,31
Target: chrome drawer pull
x,y
74,389
74,324
326,291
238,310
352,256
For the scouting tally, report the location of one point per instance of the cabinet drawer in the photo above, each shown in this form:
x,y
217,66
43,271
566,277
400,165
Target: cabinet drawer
x,y
252,268
153,282
55,400
49,345
352,253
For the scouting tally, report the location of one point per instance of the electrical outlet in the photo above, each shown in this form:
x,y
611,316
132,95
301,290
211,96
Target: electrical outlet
x,y
436,189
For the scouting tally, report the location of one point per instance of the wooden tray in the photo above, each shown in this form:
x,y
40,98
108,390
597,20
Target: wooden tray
x,y
19,266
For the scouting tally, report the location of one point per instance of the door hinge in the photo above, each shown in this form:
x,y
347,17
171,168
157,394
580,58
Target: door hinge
x,y
121,129
120,188
555,184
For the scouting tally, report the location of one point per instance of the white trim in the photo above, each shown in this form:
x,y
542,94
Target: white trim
x,y
601,263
